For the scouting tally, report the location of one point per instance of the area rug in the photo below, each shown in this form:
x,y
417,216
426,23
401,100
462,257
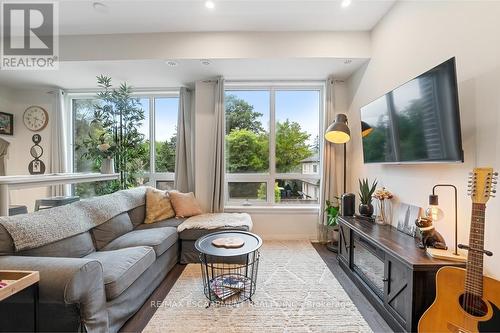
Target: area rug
x,y
296,292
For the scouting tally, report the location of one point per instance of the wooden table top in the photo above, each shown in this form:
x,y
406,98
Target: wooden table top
x,y
17,281
398,244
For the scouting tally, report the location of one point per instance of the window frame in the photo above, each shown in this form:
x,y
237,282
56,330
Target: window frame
x,y
271,176
152,175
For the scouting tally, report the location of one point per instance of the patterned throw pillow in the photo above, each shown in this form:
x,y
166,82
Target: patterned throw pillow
x,y
185,204
158,206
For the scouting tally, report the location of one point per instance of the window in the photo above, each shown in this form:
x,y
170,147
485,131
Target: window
x,y
272,145
156,158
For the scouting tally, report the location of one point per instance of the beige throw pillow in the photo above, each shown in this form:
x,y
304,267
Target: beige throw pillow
x,y
158,206
185,204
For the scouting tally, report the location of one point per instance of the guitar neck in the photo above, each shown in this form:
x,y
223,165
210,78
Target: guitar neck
x,y
474,278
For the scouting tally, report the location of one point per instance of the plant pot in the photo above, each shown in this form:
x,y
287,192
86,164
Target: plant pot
x,y
333,234
333,238
108,166
366,210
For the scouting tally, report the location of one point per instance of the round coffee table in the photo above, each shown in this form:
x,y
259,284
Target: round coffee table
x,y
229,274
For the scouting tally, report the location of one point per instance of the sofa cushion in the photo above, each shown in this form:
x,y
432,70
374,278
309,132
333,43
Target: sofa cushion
x,y
103,234
6,243
137,215
194,234
160,239
158,206
173,223
185,204
122,267
76,246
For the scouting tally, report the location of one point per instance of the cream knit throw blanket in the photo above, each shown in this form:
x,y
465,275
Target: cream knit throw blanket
x,y
216,220
30,231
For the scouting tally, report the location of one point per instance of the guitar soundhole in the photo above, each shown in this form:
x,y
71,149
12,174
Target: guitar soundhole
x,y
473,305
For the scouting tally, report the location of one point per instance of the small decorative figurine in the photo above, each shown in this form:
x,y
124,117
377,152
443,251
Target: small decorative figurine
x,y
429,236
36,166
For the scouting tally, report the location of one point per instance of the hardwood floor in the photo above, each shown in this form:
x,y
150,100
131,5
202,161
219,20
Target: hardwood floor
x,y
372,317
139,321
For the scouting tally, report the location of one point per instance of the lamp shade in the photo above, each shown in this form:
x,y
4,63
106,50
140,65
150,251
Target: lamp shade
x,y
338,131
365,129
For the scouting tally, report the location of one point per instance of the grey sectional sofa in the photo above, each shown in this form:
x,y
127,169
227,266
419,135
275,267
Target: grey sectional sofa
x,y
96,280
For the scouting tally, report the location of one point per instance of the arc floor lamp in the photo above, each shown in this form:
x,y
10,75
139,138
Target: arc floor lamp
x,y
339,133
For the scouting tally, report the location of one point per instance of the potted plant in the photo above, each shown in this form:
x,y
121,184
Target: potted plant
x,y
332,212
365,196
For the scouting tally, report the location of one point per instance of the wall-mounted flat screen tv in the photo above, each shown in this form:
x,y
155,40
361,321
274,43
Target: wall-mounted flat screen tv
x,y
418,122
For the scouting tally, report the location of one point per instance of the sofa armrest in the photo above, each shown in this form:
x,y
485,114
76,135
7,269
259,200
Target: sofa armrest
x,y
68,281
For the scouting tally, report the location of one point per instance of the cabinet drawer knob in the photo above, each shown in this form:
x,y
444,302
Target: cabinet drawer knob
x,y
385,279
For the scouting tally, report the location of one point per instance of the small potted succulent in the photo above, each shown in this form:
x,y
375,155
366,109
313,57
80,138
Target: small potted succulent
x,y
365,196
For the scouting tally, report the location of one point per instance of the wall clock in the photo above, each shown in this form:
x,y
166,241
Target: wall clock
x,y
35,118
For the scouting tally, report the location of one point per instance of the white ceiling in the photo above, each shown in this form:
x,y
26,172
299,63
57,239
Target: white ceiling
x,y
146,16
79,16
156,73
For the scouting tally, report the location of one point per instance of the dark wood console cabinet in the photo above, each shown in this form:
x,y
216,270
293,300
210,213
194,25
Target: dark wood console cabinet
x,y
395,275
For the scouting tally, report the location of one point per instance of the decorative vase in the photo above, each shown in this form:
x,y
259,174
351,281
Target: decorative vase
x,y
108,166
366,210
384,212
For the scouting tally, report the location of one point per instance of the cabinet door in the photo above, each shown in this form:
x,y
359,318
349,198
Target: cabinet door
x,y
397,293
344,243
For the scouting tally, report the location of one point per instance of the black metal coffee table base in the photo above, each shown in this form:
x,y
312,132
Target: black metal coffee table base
x,y
226,283
229,275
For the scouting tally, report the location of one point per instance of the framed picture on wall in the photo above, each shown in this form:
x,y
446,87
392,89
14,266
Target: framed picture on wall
x,y
6,123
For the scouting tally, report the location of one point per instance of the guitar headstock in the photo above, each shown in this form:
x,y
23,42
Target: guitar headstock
x,y
482,184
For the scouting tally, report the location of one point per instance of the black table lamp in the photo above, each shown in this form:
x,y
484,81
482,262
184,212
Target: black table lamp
x,y
338,132
436,214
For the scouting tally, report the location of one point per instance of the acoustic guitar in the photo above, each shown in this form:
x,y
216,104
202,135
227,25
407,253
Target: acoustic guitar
x,y
466,301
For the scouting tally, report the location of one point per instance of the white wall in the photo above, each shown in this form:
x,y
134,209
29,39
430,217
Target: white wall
x,y
268,223
412,38
16,102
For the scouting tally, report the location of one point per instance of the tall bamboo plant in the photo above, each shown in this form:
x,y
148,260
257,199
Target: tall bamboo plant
x,y
117,117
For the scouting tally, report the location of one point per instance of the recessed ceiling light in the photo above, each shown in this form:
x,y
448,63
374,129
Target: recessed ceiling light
x,y
210,4
172,63
345,3
205,62
100,7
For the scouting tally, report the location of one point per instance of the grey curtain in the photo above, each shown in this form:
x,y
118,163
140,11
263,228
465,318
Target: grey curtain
x,y
184,166
330,183
217,188
58,143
